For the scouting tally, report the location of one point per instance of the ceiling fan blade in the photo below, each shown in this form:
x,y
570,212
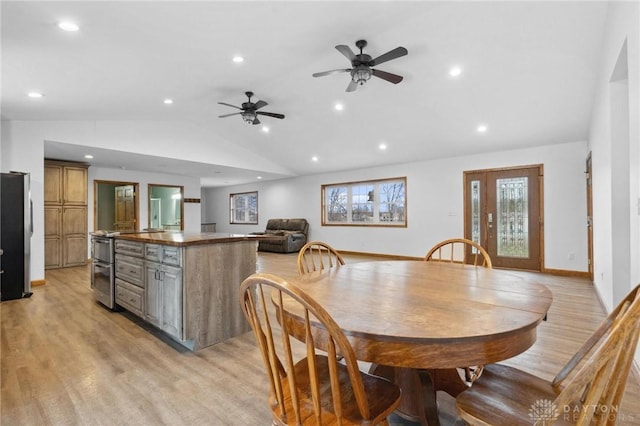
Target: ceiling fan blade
x,y
260,104
320,74
255,121
391,78
270,114
232,106
392,54
352,86
346,51
229,115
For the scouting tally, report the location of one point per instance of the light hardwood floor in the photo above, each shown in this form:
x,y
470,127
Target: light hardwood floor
x,y
68,361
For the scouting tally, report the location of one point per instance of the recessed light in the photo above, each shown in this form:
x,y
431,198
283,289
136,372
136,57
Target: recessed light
x,y
265,129
68,26
88,156
238,59
482,128
168,101
314,158
35,95
338,106
455,71
382,146
258,177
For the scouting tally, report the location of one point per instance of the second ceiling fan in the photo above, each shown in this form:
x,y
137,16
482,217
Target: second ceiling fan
x,y
361,64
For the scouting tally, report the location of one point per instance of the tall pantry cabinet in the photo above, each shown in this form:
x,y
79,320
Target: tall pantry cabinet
x,y
65,214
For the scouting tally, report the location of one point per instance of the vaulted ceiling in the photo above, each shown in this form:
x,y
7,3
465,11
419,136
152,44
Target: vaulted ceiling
x,y
527,73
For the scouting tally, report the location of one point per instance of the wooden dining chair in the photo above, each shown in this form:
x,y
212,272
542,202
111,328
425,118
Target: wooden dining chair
x,y
454,250
316,256
306,387
590,393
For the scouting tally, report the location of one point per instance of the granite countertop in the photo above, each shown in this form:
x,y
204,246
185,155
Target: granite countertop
x,y
185,239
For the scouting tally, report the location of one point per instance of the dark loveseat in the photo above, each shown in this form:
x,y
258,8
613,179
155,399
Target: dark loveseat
x,y
286,235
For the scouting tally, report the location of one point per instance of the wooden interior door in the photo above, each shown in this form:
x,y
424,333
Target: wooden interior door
x,y
125,219
503,212
589,218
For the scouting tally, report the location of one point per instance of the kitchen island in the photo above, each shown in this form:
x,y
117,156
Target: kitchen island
x,y
185,284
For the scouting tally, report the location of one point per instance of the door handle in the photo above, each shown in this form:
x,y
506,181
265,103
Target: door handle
x,y
490,220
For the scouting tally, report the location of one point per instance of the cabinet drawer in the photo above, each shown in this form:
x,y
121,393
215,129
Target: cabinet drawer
x,y
130,269
130,297
153,252
168,255
172,255
129,247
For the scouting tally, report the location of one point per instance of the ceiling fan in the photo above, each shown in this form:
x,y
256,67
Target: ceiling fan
x,y
361,63
249,110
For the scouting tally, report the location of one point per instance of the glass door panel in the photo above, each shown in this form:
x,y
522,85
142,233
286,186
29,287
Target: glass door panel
x,y
513,217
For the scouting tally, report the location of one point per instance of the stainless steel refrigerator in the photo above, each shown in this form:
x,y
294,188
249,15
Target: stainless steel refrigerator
x,y
16,228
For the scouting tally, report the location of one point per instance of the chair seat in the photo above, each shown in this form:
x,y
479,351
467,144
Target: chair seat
x,y
508,396
382,396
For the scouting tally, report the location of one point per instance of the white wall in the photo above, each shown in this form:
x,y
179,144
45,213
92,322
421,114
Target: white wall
x,y
622,35
434,202
622,27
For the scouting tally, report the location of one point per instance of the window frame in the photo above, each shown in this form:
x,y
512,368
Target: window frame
x,y
247,215
375,206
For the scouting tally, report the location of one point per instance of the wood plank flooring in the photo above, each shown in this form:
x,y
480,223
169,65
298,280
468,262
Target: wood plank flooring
x,y
65,360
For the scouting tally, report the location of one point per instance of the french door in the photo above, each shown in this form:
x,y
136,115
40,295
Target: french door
x,y
503,213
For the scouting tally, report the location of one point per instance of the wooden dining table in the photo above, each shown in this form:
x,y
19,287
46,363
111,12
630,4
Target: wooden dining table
x,y
417,321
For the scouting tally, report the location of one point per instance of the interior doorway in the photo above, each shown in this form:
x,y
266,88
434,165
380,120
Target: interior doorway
x,y
503,213
115,206
166,207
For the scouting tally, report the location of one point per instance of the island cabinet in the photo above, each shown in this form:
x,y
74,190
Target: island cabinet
x,y
163,290
190,283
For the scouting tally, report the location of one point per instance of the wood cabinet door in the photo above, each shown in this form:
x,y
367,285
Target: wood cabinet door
x,y
52,253
52,184
172,301
153,294
75,185
52,221
74,221
52,237
75,250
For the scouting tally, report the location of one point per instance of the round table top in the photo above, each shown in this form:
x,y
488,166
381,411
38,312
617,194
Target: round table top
x,y
430,314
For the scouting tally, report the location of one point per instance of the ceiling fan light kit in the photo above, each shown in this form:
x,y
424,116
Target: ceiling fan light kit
x,y
361,74
361,64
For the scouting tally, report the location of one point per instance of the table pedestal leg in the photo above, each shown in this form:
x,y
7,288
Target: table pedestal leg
x,y
447,380
418,402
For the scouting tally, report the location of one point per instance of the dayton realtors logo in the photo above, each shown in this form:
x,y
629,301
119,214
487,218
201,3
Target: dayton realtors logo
x,y
543,412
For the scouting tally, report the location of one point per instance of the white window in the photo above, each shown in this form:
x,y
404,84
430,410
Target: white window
x,y
374,202
243,208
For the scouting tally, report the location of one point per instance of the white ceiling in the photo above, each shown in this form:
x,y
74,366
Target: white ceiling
x,y
528,73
